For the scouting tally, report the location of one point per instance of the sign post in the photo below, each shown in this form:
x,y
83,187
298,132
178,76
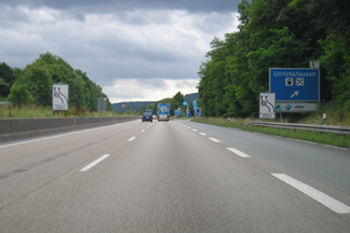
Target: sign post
x,y
186,104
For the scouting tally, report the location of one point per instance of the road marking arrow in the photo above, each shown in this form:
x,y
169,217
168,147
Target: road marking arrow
x,y
296,93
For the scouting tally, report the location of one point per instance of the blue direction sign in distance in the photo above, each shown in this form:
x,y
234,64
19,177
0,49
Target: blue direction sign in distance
x,y
295,84
177,112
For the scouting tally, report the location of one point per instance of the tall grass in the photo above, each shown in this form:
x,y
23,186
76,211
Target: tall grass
x,y
337,115
34,111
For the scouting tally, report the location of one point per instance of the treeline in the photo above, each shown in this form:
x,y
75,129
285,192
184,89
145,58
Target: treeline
x,y
33,84
276,34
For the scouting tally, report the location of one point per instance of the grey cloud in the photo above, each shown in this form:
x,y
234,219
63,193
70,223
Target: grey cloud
x,y
8,18
152,83
113,5
184,84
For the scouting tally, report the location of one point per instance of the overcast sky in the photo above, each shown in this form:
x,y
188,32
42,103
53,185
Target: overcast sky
x,y
137,50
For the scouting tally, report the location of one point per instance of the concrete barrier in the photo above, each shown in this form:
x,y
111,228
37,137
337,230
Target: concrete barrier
x,y
16,129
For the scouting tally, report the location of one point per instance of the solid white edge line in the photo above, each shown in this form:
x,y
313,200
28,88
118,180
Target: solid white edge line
x,y
97,161
57,136
322,198
239,153
215,140
131,139
40,139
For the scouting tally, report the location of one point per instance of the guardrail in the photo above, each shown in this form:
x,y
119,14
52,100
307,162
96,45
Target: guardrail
x,y
319,128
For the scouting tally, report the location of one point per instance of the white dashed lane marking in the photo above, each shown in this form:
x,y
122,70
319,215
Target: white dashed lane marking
x,y
215,140
239,153
97,161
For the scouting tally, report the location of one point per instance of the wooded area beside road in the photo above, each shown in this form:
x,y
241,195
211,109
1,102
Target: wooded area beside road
x,y
277,33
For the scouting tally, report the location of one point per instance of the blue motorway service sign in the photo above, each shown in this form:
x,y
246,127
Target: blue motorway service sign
x,y
295,84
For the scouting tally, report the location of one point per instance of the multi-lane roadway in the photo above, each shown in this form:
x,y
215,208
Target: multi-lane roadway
x,y
176,176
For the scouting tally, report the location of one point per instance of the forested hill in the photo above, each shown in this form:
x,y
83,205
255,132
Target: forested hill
x,y
33,84
190,97
127,106
137,106
276,34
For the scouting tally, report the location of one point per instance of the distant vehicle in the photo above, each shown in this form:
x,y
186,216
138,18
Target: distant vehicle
x,y
163,117
163,112
147,116
154,117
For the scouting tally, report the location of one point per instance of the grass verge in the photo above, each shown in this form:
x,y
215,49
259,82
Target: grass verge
x,y
313,136
10,112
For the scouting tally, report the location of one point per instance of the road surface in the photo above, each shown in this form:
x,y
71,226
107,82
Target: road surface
x,y
175,176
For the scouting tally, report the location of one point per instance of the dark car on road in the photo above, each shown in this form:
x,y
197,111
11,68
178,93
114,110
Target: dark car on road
x,y
146,116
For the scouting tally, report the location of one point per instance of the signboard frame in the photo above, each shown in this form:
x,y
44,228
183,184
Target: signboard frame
x,y
60,97
101,104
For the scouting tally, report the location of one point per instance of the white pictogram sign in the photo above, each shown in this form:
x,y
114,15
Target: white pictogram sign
x,y
60,97
267,105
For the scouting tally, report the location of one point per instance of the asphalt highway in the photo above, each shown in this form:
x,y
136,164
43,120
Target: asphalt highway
x,y
174,176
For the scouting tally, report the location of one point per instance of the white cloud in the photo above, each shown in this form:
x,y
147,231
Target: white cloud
x,y
148,89
125,49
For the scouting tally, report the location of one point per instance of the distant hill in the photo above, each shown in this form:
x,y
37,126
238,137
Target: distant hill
x,y
130,106
137,105
190,97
